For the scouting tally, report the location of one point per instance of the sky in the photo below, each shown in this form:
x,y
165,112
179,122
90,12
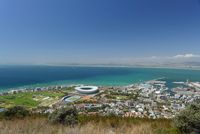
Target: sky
x,y
99,31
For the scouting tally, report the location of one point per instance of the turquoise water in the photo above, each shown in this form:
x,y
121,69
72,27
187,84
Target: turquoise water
x,y
34,76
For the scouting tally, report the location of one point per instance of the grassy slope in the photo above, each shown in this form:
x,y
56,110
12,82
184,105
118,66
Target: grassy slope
x,y
88,125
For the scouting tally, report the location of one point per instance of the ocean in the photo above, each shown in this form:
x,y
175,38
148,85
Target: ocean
x,y
13,77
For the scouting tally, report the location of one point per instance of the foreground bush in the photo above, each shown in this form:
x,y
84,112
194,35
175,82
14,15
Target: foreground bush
x,y
66,116
16,112
188,121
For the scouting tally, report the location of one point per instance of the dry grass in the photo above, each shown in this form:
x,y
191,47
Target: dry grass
x,y
42,126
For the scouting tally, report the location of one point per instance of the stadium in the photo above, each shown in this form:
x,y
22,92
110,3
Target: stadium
x,y
87,89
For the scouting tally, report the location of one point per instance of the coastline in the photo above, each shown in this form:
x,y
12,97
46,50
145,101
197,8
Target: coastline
x,y
97,82
62,83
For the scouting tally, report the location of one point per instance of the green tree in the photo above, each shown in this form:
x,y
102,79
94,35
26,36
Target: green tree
x,y
188,120
16,112
66,116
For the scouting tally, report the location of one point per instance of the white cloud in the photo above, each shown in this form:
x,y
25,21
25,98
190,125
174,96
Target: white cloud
x,y
173,60
177,60
187,56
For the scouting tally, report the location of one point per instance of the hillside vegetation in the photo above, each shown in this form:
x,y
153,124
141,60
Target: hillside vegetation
x,y
88,125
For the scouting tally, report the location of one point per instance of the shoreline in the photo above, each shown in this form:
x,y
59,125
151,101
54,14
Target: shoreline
x,y
69,82
52,85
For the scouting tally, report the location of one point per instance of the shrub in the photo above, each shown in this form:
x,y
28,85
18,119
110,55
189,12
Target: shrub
x,y
16,112
188,120
66,116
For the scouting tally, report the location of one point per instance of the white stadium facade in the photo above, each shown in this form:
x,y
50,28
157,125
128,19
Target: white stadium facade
x,y
87,89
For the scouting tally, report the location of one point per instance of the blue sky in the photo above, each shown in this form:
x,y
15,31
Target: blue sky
x,y
97,31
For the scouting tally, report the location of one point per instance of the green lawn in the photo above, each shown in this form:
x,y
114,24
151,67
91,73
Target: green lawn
x,y
28,99
24,99
121,97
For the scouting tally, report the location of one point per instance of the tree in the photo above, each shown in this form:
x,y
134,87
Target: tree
x,y
66,116
188,120
16,112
